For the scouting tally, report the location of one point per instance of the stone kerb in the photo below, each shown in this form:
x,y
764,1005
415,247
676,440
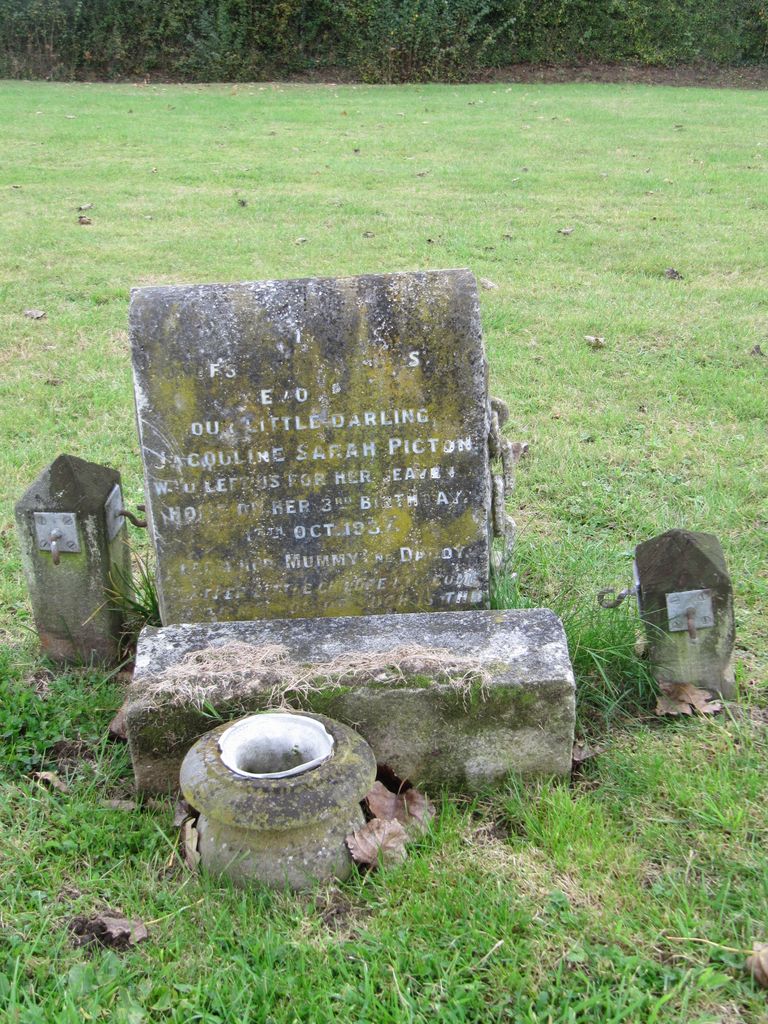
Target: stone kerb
x,y
315,447
503,701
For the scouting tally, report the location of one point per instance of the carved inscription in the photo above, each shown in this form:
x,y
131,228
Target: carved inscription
x,y
315,447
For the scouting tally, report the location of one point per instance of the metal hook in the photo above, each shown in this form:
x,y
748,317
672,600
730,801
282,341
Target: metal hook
x,y
55,536
141,523
602,597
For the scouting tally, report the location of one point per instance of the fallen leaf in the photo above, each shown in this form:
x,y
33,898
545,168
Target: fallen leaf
x,y
109,928
672,274
594,341
82,219
421,174
181,811
582,752
379,840
565,231
116,730
52,780
411,808
119,805
189,843
756,351
757,964
684,699
487,283
34,314
54,381
301,240
85,206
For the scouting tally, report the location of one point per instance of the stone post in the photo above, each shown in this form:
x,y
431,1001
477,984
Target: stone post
x,y
686,603
74,550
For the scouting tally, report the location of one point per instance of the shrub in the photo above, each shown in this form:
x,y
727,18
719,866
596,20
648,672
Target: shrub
x,y
377,40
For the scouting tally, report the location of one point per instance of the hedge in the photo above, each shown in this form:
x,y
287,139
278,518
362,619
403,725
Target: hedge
x,y
386,41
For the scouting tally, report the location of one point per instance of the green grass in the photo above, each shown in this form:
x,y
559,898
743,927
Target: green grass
x,y
548,903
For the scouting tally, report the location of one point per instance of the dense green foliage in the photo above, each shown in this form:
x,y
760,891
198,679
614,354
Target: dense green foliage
x,y
393,40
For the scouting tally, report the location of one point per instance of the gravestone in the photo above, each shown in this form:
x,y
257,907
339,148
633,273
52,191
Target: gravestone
x,y
315,447
75,552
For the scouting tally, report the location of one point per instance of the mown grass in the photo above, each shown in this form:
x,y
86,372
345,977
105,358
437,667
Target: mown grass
x,y
537,903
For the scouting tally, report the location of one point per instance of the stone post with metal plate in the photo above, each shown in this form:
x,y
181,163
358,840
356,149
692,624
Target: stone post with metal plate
x,y
75,551
685,599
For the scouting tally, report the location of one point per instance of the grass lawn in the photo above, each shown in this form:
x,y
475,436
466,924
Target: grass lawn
x,y
609,900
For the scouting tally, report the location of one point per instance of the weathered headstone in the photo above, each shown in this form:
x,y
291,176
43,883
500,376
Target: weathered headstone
x,y
315,447
74,551
686,603
445,698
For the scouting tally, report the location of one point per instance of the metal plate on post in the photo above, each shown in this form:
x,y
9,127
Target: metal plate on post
x,y
698,602
112,508
58,526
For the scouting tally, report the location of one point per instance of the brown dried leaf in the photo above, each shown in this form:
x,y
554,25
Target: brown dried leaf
x,y
52,780
117,727
668,706
109,928
82,219
756,351
189,841
672,274
582,752
684,699
378,840
182,811
757,964
34,314
119,805
411,808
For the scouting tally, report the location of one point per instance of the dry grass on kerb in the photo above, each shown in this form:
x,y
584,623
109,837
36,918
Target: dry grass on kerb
x,y
540,904
230,672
